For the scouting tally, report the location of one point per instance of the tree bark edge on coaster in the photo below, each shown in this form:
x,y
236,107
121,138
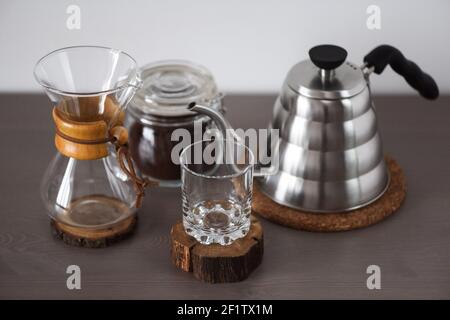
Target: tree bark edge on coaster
x,y
82,237
216,263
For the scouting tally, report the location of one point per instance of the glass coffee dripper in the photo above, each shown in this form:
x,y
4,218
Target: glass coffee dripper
x,y
88,184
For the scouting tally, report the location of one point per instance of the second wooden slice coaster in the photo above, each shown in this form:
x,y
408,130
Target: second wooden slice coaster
x,y
94,238
386,205
216,263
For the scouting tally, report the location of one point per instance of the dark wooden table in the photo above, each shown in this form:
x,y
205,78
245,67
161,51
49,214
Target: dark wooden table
x,y
412,247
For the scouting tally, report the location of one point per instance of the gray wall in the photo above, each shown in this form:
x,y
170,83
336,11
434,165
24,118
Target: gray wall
x,y
248,45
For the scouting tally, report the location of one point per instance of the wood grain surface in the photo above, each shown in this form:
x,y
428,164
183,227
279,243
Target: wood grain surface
x,y
412,247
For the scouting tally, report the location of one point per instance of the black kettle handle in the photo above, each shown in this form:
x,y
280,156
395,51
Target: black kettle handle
x,y
383,55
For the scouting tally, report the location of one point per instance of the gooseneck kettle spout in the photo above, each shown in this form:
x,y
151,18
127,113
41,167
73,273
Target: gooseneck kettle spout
x,y
222,124
227,134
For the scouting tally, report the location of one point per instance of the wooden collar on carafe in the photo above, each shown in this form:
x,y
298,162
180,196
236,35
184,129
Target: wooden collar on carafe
x,y
87,140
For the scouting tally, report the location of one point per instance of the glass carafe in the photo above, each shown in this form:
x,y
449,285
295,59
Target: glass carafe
x,y
85,186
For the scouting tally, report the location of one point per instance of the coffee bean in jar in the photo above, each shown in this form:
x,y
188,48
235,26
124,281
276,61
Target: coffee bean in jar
x,y
160,107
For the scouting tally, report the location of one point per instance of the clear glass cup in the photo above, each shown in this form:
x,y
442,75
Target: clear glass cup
x,y
217,179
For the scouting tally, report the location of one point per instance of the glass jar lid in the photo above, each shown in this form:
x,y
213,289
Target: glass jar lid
x,y
169,86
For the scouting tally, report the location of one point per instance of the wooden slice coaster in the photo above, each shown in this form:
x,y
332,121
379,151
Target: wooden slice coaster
x,y
386,205
216,263
93,238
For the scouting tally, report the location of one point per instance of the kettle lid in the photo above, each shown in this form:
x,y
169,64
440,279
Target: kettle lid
x,y
326,75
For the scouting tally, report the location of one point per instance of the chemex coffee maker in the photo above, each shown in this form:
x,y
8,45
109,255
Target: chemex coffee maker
x,y
330,152
91,190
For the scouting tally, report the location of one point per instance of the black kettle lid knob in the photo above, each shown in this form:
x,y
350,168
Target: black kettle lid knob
x,y
327,56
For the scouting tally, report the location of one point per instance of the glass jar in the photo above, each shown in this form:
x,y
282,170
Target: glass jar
x,y
160,107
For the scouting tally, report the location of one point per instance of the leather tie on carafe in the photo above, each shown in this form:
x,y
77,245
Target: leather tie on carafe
x,y
127,166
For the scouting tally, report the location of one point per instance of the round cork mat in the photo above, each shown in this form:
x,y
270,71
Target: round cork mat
x,y
93,238
386,205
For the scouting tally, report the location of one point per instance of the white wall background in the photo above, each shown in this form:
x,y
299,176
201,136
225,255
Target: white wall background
x,y
249,45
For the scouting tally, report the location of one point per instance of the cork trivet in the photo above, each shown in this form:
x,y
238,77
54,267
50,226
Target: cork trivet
x,y
216,263
386,205
93,238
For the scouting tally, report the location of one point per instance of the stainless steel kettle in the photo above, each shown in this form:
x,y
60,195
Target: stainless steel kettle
x,y
330,153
